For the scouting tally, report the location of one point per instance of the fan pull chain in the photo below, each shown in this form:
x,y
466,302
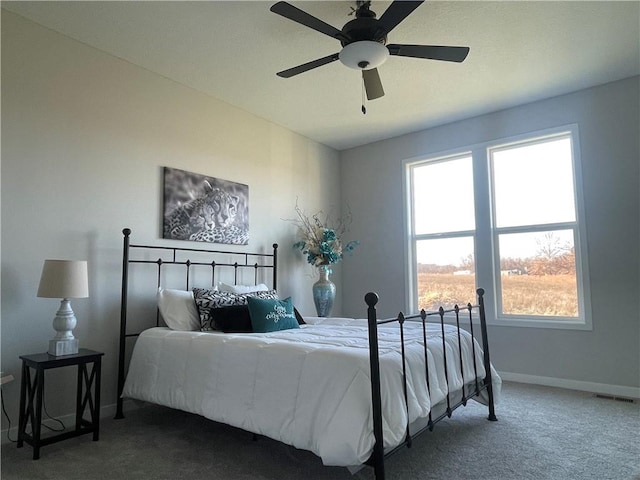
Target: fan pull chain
x,y
364,109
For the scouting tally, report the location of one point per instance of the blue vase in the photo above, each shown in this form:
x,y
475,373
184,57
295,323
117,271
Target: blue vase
x,y
324,292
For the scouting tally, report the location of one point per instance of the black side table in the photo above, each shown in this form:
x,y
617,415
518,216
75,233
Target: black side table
x,y
31,393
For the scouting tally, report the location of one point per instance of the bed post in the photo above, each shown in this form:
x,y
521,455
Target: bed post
x,y
123,321
377,456
487,361
275,266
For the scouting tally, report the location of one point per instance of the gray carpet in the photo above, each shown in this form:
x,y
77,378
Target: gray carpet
x,y
542,433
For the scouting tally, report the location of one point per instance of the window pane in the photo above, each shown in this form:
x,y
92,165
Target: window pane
x,y
533,184
446,272
443,196
538,273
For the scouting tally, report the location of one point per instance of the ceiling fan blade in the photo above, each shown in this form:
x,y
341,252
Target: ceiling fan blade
x,y
432,52
372,84
308,66
293,13
397,12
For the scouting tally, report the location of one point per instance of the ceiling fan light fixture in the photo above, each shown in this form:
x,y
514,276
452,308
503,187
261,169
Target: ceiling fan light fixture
x,y
364,55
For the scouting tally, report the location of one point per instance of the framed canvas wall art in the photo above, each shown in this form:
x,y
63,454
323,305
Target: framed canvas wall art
x,y
204,209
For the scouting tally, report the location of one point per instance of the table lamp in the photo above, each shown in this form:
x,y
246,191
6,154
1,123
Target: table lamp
x,y
64,279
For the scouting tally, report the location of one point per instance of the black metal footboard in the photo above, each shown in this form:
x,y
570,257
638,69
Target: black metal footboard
x,y
470,387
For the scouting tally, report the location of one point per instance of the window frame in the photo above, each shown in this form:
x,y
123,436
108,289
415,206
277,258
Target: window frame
x,y
486,234
413,239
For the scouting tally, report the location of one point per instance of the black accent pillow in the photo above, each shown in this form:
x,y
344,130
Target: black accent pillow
x,y
232,319
298,317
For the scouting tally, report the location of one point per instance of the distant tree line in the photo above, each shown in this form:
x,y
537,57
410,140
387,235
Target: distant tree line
x,y
553,257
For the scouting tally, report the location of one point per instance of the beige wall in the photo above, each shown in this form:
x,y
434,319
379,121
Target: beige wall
x,y
84,139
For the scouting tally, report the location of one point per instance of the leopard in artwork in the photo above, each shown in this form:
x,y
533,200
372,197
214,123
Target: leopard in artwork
x,y
231,235
209,217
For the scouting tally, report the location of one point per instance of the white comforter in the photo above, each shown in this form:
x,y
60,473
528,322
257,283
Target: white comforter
x,y
307,387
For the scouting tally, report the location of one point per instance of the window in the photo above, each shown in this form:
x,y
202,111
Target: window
x,y
443,231
515,205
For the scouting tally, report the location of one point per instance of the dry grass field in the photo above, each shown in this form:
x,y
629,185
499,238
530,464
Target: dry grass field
x,y
552,295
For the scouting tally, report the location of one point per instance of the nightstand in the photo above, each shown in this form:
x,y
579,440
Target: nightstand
x,y
31,396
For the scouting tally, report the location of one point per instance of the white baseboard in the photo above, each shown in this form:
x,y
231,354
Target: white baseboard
x,y
107,411
601,388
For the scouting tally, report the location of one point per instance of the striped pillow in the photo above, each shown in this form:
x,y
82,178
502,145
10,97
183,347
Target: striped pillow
x,y
206,299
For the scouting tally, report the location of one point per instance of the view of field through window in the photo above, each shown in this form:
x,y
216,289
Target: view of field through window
x,y
533,230
544,284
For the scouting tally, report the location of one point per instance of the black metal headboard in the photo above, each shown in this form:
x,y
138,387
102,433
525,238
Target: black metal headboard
x,y
242,261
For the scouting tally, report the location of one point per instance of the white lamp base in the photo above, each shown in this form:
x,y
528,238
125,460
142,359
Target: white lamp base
x,y
64,343
63,347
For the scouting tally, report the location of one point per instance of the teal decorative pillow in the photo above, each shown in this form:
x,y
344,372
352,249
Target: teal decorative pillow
x,y
271,315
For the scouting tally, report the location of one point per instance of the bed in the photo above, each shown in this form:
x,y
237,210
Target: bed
x,y
350,390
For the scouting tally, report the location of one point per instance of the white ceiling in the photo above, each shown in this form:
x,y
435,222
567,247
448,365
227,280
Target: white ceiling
x,y
520,51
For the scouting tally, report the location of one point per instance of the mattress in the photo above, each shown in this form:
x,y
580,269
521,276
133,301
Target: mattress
x,y
308,387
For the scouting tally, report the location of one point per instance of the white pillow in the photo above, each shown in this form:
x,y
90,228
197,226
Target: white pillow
x,y
223,287
178,309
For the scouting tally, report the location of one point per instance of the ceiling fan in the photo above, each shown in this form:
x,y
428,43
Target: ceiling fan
x,y
364,42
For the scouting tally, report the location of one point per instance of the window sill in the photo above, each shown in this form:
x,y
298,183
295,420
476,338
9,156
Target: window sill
x,y
578,324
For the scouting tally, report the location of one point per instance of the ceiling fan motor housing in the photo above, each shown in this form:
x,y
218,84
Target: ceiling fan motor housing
x,y
364,28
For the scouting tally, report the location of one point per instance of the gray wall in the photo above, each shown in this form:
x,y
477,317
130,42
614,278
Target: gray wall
x,y
608,121
84,139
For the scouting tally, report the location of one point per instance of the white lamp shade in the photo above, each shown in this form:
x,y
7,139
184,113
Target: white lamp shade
x,y
364,55
64,279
